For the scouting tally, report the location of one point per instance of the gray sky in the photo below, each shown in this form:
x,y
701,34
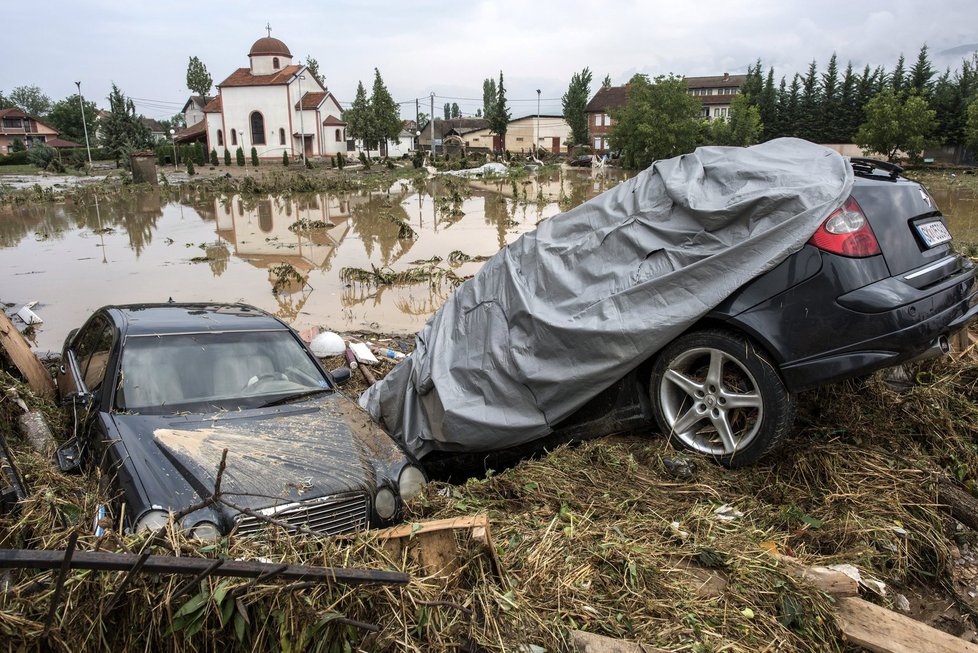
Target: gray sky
x,y
449,48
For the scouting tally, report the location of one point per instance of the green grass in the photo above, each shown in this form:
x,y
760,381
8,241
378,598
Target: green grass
x,y
22,169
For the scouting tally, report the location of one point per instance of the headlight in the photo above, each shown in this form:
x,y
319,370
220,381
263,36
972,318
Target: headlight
x,y
411,482
385,503
152,520
206,531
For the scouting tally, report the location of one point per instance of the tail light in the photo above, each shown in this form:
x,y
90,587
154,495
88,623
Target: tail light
x,y
847,232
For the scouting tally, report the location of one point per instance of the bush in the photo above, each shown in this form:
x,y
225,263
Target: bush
x,y
285,158
340,160
254,156
418,159
332,162
199,156
14,159
365,161
54,165
190,167
239,156
41,155
18,146
227,156
213,157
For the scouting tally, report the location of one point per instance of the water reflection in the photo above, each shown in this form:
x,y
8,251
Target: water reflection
x,y
193,246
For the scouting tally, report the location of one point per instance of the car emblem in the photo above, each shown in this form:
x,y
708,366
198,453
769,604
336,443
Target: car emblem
x,y
925,196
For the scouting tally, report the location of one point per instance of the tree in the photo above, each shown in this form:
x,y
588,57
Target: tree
x,y
829,110
385,111
359,121
227,157
767,107
488,97
5,102
66,117
606,82
199,81
897,79
743,127
447,109
921,74
658,120
574,101
122,130
456,112
500,116
313,67
31,100
807,125
894,124
971,127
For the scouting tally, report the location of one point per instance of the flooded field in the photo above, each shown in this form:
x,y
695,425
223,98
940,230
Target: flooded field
x,y
282,254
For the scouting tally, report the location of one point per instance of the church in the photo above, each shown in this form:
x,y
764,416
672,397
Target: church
x,y
274,106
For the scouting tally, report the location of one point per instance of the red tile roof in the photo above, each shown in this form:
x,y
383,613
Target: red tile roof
x,y
243,77
60,143
716,81
333,120
191,133
312,101
607,97
267,45
214,106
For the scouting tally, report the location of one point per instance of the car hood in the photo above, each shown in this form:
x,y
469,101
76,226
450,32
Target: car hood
x,y
294,452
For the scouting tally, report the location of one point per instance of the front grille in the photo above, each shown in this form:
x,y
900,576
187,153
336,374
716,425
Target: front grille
x,y
328,515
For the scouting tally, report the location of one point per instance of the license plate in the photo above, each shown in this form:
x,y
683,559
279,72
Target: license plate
x,y
933,233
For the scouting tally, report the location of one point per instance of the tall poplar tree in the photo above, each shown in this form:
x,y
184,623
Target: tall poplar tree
x,y
574,101
199,81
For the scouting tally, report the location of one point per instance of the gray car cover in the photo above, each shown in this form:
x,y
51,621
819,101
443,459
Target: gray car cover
x,y
566,310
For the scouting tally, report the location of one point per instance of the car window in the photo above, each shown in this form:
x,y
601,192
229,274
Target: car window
x,y
94,345
227,369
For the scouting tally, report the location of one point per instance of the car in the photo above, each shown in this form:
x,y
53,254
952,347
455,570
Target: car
x,y
623,315
160,391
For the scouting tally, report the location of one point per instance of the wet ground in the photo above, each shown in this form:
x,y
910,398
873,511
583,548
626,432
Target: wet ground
x,y
73,259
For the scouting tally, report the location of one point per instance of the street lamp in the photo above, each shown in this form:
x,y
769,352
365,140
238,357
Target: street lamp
x,y
301,126
538,124
81,103
173,139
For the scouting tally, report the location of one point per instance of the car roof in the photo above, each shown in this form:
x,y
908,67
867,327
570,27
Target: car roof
x,y
169,318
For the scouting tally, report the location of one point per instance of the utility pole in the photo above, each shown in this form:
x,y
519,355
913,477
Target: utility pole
x,y
81,103
537,145
302,127
417,120
432,128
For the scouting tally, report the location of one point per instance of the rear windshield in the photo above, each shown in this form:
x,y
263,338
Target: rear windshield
x,y
236,368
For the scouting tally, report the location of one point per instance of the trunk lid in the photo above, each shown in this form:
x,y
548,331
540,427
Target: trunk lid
x,y
908,226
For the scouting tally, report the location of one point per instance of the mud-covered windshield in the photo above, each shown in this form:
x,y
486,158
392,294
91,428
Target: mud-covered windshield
x,y
159,372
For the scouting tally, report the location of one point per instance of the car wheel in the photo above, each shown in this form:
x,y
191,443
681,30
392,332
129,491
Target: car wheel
x,y
715,393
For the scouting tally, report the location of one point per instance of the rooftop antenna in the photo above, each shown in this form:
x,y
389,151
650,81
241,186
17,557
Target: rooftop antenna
x,y
268,28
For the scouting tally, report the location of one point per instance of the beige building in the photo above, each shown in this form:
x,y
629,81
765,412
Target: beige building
x,y
549,133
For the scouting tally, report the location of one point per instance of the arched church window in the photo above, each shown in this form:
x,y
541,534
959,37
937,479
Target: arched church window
x,y
275,63
257,128
281,136
220,137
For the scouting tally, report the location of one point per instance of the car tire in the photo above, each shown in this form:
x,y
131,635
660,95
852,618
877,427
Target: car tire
x,y
716,393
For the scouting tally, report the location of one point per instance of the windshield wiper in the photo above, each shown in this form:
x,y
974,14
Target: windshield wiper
x,y
297,395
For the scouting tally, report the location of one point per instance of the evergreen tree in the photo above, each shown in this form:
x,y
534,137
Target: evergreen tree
x,y
227,157
898,78
767,109
122,130
574,101
313,67
499,121
359,118
829,110
254,157
239,157
791,111
386,115
921,74
849,110
199,81
809,120
754,84
214,157
778,129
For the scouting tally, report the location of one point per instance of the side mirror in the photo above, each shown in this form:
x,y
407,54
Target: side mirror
x,y
341,375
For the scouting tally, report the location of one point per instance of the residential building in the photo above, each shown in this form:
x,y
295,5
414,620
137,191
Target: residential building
x,y
715,93
599,121
274,106
15,125
193,109
550,133
155,129
452,127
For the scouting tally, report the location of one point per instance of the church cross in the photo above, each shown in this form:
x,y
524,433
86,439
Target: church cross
x,y
268,28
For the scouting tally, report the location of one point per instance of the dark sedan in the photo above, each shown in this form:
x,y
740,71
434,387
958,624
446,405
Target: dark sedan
x,y
165,388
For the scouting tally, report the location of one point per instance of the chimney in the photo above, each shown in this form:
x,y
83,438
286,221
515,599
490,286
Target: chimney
x,y
726,76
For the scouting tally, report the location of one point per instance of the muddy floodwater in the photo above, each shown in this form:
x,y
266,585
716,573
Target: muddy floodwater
x,y
73,259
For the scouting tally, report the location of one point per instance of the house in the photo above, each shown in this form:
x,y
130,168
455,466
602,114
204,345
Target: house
x,y
193,109
15,125
599,121
550,133
715,93
156,130
274,106
452,126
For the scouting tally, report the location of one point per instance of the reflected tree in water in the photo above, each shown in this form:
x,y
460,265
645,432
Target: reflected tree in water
x,y
376,219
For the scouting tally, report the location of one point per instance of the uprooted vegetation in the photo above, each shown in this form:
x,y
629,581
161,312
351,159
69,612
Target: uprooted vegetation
x,y
611,536
375,276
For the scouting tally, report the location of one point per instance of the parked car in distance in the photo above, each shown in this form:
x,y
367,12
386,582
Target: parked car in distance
x,y
877,285
161,390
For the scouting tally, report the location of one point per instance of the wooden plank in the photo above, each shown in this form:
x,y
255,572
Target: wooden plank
x,y
584,642
433,545
158,564
24,359
830,581
884,631
417,528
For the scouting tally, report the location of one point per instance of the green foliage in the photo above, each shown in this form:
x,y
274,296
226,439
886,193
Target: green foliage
x,y
447,110
658,120
497,113
285,158
199,155
574,102
894,124
213,157
17,146
359,118
971,126
340,160
488,97
227,157
254,157
190,167
14,159
66,117
921,74
606,82
41,155
312,65
365,161
31,100
122,130
385,111
743,127
456,111
199,81
240,157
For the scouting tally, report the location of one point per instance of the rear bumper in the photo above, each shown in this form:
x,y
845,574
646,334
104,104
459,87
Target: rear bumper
x,y
907,331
